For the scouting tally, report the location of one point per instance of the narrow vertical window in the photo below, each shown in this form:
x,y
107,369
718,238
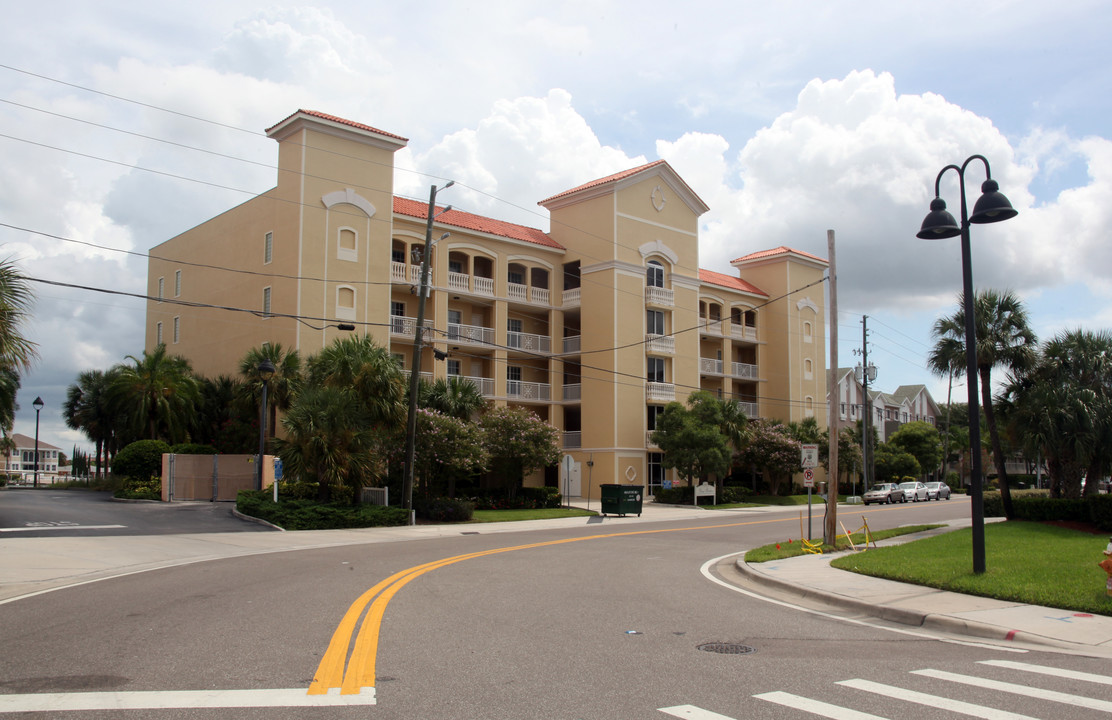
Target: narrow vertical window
x,y
177,283
266,302
268,248
654,274
177,329
161,287
158,334
347,245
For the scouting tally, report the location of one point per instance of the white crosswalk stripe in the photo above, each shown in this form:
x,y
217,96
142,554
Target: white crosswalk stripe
x,y
1024,690
934,699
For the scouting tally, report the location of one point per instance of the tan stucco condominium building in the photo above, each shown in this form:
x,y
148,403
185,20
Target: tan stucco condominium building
x,y
594,325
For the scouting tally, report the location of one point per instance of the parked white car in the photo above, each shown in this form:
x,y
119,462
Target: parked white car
x,y
915,491
938,491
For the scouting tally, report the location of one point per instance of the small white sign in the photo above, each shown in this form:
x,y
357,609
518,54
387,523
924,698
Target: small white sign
x,y
810,457
809,478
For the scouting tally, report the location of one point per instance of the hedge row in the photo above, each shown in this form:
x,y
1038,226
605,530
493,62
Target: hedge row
x,y
528,498
685,495
1096,509
310,515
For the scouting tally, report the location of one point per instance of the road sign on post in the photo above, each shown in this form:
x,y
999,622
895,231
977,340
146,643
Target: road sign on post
x,y
810,457
808,478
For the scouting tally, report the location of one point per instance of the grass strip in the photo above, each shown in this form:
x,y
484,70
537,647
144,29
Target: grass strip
x,y
792,547
485,516
1026,562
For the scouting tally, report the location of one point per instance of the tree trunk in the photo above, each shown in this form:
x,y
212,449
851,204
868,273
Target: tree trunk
x,y
994,438
1093,476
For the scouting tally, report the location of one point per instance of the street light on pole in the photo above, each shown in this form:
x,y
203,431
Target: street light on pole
x,y
266,371
422,291
38,405
939,224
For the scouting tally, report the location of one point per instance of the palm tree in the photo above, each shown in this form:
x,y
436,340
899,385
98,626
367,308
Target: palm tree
x,y
16,351
454,397
359,363
1004,339
156,396
328,439
281,388
87,409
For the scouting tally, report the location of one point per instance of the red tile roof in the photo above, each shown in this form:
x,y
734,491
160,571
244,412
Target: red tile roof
x,y
729,281
602,181
340,120
457,218
782,250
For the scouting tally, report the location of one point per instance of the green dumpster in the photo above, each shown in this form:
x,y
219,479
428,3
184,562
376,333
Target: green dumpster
x,y
622,499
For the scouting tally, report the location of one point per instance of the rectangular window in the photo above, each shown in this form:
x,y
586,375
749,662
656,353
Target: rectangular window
x,y
654,322
266,302
177,283
654,274
397,255
654,370
455,266
453,368
654,413
516,277
268,248
177,329
513,336
347,245
656,470
161,287
513,380
158,334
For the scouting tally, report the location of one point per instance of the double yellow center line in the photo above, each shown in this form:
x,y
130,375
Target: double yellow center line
x,y
360,672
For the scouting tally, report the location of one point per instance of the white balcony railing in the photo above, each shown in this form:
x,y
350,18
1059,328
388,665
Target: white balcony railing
x,y
515,291
485,385
710,366
649,438
571,298
406,273
660,392
539,295
529,342
710,326
745,332
573,391
470,334
749,408
528,390
407,326
571,344
661,297
660,344
573,440
459,281
745,371
484,286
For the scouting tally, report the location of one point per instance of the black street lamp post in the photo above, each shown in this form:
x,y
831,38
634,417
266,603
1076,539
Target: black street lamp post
x,y
266,371
38,405
939,224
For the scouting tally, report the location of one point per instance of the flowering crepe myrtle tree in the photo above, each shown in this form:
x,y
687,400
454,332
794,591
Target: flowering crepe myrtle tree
x,y
518,443
449,448
772,449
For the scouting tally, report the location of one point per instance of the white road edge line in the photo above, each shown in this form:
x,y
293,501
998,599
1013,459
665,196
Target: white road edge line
x,y
179,700
705,570
816,707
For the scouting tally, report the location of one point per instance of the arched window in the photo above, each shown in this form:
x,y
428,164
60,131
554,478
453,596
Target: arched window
x,y
345,303
654,274
346,248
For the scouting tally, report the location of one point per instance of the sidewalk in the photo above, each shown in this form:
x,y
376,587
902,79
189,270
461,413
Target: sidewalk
x,y
811,577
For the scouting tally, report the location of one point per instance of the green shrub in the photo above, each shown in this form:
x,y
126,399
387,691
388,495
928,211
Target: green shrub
x,y
735,494
310,515
1041,509
445,509
528,498
542,497
141,460
1100,511
994,506
675,495
298,490
193,449
149,489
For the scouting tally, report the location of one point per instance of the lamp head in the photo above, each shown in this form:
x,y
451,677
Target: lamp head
x,y
992,206
38,404
939,223
266,369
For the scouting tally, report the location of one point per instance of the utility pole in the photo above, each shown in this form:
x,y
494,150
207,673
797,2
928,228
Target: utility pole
x,y
830,528
865,373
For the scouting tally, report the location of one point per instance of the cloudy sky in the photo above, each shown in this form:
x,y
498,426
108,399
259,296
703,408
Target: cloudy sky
x,y
124,123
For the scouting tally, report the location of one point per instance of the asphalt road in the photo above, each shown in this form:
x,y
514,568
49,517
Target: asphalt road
x,y
44,512
603,620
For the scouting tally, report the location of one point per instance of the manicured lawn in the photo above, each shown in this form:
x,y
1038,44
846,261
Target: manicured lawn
x,y
791,547
542,514
816,499
1025,562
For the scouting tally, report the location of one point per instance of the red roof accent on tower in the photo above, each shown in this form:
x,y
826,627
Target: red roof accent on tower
x,y
729,281
460,219
340,120
602,181
782,250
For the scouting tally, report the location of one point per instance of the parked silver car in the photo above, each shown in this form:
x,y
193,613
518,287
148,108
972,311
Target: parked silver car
x,y
915,491
938,491
884,493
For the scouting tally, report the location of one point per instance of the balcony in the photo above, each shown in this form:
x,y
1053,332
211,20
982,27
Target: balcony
x,y
426,376
474,334
524,293
573,391
519,390
406,273
749,408
529,342
485,385
407,326
745,371
710,366
660,344
743,332
571,344
660,392
659,297
710,326
571,298
573,440
649,439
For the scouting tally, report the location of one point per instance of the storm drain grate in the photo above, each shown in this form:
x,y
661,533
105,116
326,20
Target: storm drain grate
x,y
726,648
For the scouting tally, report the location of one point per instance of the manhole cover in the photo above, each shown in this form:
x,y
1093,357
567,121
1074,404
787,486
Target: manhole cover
x,y
726,648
